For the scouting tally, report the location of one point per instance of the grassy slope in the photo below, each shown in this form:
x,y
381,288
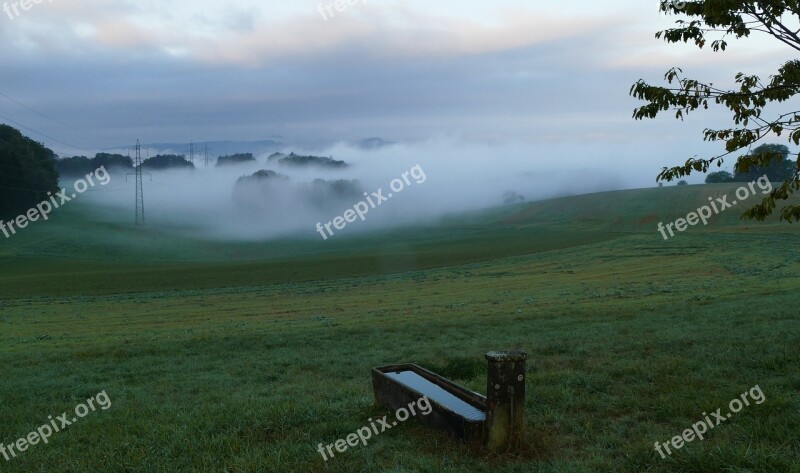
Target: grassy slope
x,y
631,338
75,254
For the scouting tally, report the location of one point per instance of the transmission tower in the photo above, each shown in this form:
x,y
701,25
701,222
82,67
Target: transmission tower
x,y
205,152
191,155
137,171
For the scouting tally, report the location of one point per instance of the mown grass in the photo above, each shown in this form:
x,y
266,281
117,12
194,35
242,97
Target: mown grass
x,y
630,340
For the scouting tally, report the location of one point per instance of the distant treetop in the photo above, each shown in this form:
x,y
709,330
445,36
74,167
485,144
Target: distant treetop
x,y
167,161
238,158
298,161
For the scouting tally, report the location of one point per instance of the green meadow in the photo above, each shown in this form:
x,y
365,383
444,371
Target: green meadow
x,y
244,356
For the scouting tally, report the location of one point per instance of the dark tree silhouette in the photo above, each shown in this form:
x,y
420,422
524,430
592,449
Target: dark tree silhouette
x,y
27,172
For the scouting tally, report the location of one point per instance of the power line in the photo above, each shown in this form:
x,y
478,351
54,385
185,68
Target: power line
x,y
46,136
140,216
41,114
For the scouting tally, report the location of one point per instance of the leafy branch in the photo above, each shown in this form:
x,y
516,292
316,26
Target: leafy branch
x,y
747,102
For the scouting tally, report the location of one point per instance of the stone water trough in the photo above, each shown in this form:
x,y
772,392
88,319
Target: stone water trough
x,y
497,419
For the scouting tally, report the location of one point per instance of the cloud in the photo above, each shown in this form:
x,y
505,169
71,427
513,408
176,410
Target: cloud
x,y
404,70
246,35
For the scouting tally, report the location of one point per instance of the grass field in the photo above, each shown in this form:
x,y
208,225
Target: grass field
x,y
242,357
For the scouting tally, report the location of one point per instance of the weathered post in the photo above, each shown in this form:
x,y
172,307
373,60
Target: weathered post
x,y
505,399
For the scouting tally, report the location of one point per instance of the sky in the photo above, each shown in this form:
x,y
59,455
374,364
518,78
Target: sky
x,y
554,77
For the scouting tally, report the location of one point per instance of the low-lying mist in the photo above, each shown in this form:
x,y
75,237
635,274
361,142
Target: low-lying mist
x,y
457,178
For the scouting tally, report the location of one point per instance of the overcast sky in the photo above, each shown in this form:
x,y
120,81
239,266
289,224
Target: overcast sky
x,y
504,71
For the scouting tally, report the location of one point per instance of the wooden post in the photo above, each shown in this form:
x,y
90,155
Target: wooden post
x,y
505,399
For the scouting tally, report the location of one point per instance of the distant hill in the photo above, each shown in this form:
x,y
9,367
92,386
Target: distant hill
x,y
218,148
636,209
258,148
373,143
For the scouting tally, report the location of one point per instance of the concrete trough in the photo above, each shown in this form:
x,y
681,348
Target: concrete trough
x,y
498,419
455,409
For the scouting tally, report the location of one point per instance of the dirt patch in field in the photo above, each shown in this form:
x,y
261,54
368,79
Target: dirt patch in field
x,y
647,219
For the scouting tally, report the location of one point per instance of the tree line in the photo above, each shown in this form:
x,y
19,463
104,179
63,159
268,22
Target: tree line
x,y
771,160
27,172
